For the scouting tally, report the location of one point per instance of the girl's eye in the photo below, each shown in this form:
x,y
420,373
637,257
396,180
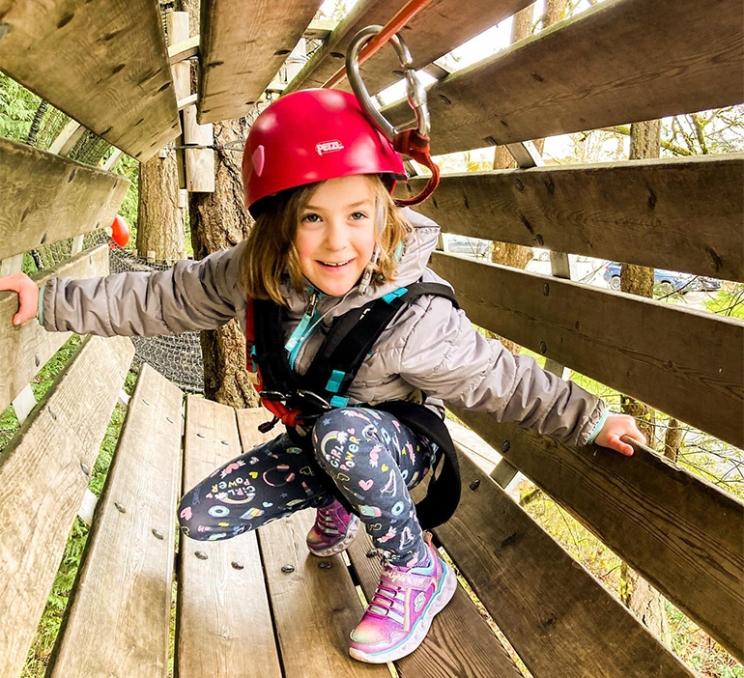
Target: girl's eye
x,y
311,218
358,215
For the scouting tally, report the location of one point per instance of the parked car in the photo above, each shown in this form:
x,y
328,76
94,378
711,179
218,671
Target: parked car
x,y
668,281
461,244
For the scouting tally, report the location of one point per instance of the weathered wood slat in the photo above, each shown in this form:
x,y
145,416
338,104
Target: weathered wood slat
x,y
313,607
242,49
684,215
105,64
433,32
224,622
592,71
680,532
131,543
43,476
446,651
45,198
687,363
556,615
23,350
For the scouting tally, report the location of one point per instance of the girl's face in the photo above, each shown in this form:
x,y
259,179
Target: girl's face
x,y
336,233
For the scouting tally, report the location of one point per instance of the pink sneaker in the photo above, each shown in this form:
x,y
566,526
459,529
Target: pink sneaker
x,y
334,529
402,609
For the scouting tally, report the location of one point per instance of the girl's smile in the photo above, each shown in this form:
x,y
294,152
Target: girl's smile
x,y
336,234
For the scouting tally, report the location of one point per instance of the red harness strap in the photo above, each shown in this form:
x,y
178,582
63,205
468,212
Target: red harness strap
x,y
287,416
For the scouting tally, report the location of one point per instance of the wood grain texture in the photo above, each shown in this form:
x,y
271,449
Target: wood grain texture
x,y
103,63
446,651
557,617
25,349
689,364
684,215
681,533
436,30
242,48
42,483
46,198
131,543
314,609
592,71
224,625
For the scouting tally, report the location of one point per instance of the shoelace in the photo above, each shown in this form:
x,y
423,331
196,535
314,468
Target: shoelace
x,y
326,522
382,600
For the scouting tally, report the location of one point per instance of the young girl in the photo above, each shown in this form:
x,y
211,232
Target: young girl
x,y
327,239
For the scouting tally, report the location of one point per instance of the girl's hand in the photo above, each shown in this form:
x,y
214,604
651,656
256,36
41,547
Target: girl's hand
x,y
28,295
618,425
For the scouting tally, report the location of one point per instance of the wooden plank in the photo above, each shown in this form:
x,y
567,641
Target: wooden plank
x,y
680,532
65,141
557,617
433,32
11,265
446,651
43,475
657,353
23,350
315,608
105,64
46,198
183,49
684,215
223,606
24,403
241,51
593,71
131,543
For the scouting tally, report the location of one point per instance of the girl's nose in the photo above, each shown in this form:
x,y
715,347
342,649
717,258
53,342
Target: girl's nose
x,y
337,235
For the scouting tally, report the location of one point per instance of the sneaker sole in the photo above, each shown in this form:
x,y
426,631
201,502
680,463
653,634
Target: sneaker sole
x,y
342,545
419,633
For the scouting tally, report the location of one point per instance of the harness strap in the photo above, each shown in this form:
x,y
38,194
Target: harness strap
x,y
353,335
443,492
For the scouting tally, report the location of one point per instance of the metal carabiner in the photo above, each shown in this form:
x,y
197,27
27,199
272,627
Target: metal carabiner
x,y
415,92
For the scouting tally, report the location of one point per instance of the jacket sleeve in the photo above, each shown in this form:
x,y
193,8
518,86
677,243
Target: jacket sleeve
x,y
449,359
192,295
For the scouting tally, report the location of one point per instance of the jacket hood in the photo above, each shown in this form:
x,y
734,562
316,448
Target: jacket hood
x,y
419,245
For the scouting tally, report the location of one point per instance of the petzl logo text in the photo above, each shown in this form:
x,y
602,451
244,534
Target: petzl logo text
x,y
329,147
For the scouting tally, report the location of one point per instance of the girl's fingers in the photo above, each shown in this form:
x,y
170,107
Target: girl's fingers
x,y
620,446
28,296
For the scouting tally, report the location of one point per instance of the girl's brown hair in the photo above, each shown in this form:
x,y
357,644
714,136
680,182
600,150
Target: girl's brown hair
x,y
270,257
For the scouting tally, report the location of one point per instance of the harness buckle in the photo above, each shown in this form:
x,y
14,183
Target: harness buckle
x,y
314,399
266,426
273,395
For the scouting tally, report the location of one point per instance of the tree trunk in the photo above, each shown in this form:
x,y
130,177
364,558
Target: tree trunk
x,y
635,592
511,254
160,221
673,439
639,280
218,221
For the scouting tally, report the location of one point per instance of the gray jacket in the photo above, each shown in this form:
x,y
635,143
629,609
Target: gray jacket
x,y
430,353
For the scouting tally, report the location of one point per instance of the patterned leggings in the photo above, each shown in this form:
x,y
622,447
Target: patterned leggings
x,y
370,457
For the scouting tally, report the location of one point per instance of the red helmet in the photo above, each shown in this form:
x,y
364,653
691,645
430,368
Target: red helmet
x,y
309,136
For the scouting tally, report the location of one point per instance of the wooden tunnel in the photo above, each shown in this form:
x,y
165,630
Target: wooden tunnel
x,y
260,605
